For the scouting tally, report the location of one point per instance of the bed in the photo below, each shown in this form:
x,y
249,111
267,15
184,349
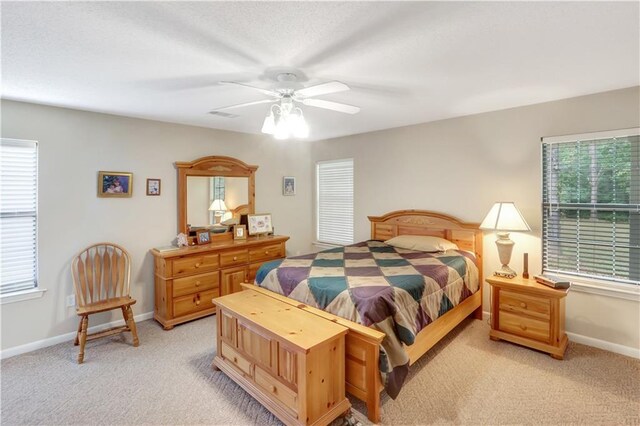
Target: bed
x,y
392,320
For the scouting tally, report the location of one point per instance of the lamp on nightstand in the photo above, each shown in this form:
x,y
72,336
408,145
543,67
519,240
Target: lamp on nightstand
x,y
504,217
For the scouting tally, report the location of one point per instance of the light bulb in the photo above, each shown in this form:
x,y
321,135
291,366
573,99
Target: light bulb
x,y
282,129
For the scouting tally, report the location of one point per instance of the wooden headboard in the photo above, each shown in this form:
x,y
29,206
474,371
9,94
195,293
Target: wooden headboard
x,y
467,236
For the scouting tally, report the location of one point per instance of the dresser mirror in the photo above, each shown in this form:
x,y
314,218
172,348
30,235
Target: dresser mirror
x,y
213,190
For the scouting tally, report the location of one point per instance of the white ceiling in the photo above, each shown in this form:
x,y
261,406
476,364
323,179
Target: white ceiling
x,y
406,62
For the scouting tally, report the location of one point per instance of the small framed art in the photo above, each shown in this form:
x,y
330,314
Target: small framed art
x,y
115,184
240,232
260,223
203,236
288,185
153,186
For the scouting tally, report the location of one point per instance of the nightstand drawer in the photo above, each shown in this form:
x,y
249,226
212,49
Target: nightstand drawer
x,y
537,307
524,326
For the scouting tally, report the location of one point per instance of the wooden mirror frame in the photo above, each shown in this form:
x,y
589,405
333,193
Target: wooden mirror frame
x,y
212,166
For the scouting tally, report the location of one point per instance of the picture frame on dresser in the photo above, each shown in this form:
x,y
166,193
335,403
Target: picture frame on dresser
x,y
260,224
203,237
240,232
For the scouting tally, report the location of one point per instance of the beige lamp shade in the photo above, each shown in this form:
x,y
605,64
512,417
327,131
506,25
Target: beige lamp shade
x,y
504,216
218,206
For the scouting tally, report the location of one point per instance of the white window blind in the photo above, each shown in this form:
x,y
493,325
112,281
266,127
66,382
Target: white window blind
x,y
18,215
591,205
335,201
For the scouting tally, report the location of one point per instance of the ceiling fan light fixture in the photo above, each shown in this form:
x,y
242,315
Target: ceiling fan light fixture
x,y
282,130
299,126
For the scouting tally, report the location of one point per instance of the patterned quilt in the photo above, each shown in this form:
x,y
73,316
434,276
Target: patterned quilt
x,y
394,290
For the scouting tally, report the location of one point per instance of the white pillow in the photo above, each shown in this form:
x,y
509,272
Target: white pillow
x,y
421,243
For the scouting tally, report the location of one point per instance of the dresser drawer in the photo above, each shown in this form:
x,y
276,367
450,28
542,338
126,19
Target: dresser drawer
x,y
189,265
235,358
276,389
194,302
202,282
264,253
232,258
537,307
524,326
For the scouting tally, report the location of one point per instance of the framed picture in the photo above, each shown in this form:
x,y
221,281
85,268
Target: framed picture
x,y
153,186
260,223
115,184
288,185
240,232
203,237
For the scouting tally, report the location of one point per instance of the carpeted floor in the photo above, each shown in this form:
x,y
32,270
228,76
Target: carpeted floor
x,y
465,379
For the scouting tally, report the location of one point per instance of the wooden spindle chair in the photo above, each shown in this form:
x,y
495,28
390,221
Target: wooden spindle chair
x,y
101,276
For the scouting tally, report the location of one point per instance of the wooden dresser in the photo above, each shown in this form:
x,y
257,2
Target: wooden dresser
x,y
529,314
290,360
187,279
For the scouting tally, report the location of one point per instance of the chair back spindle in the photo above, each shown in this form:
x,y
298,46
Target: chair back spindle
x,y
101,272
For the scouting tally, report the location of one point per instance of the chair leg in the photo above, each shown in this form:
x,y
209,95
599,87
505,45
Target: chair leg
x,y
132,324
84,323
76,342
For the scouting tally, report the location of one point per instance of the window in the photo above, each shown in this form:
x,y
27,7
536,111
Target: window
x,y
591,205
18,215
217,192
334,213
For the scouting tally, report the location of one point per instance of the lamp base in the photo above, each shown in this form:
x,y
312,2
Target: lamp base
x,y
505,272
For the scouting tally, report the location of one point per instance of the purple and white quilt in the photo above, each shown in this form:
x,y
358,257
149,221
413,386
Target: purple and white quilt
x,y
394,290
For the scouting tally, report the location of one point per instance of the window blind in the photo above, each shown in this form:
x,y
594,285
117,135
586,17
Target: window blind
x,y
591,206
335,201
18,215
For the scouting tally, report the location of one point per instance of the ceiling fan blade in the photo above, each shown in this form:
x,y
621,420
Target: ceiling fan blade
x,y
335,106
259,89
262,101
322,89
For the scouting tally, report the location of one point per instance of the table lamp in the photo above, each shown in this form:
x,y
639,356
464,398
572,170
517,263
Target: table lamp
x,y
504,217
218,207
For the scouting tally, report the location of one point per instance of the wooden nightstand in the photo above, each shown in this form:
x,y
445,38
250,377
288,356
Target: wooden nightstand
x,y
529,314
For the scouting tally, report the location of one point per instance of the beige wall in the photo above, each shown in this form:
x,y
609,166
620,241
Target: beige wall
x,y
75,145
462,166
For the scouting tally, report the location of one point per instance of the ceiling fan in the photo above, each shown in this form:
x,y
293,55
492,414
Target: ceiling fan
x,y
285,118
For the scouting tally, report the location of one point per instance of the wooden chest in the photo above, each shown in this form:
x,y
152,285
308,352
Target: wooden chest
x,y
290,360
187,279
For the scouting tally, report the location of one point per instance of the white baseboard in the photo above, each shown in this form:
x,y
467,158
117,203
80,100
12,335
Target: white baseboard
x,y
50,341
591,341
603,344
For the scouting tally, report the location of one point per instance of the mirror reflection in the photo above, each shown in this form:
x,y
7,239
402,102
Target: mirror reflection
x,y
212,200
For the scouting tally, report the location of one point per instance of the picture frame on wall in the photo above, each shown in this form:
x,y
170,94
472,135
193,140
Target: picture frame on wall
x,y
203,236
259,223
240,232
115,184
288,185
153,186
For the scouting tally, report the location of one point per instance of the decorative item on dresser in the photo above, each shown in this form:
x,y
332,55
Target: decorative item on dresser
x,y
187,279
291,361
529,314
504,217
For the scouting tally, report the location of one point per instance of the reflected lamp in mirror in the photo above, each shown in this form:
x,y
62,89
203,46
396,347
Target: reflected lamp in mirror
x,y
504,217
218,207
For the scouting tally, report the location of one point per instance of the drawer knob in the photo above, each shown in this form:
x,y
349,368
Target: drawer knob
x,y
235,359
273,389
197,265
197,283
523,327
197,302
235,257
266,252
522,304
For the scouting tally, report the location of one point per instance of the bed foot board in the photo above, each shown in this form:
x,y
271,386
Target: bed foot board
x,y
362,372
477,314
